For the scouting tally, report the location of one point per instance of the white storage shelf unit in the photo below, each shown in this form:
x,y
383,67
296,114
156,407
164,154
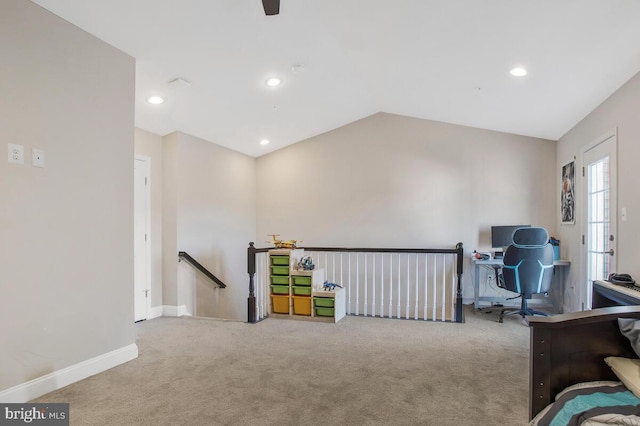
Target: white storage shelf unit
x,y
294,292
329,305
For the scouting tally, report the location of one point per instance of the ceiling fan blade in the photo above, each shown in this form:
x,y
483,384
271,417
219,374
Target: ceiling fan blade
x,y
271,7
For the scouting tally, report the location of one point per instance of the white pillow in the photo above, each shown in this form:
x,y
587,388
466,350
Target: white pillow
x,y
627,370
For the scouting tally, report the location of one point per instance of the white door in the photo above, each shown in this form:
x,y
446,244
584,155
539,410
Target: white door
x,y
600,173
140,238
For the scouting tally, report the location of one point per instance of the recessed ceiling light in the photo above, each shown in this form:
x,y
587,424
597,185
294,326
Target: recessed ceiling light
x,y
155,100
273,82
518,72
264,142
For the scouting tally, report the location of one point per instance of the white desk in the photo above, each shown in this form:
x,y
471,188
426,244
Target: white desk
x,y
559,277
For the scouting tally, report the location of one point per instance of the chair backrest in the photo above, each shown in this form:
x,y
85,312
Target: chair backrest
x,y
528,262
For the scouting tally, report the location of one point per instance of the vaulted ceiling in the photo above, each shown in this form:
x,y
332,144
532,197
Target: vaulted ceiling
x,y
342,60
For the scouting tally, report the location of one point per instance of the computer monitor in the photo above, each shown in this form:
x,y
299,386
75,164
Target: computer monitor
x,y
502,236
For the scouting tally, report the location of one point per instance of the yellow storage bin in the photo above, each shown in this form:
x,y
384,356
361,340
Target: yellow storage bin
x,y
302,306
280,304
280,260
301,280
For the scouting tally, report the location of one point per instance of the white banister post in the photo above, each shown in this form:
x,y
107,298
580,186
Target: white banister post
x,y
408,286
398,313
435,278
444,286
366,284
373,288
357,283
415,308
382,286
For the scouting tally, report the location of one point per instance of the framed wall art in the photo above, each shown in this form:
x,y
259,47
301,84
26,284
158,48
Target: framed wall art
x,y
567,195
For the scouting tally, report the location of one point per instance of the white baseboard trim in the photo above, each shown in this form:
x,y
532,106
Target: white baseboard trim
x,y
35,388
175,311
156,311
183,311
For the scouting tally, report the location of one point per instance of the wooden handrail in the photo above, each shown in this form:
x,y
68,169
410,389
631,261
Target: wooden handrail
x,y
199,267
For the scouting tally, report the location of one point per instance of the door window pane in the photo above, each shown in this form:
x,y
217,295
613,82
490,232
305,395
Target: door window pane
x,y
598,219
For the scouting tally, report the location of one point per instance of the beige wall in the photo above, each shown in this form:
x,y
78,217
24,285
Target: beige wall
x,y
394,181
170,187
149,145
66,230
619,111
212,191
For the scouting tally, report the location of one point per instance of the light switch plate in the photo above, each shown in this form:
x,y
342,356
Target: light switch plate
x,y
16,153
37,157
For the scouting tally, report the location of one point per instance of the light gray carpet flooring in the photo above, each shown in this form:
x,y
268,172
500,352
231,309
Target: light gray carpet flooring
x,y
361,371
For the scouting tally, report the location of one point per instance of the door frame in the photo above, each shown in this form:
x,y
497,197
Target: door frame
x,y
585,299
147,252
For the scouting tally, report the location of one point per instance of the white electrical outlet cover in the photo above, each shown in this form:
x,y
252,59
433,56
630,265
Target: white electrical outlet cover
x,y
16,153
37,157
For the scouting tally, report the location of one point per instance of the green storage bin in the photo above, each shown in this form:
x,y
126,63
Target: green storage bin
x,y
280,260
279,270
280,289
301,290
279,279
325,302
324,312
301,280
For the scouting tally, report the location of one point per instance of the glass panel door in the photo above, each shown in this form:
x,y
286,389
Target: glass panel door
x,y
598,222
601,207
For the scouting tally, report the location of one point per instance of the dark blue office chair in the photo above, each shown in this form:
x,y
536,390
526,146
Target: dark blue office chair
x,y
528,268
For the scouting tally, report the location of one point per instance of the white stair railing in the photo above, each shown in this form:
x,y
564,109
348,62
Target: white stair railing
x,y
415,284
